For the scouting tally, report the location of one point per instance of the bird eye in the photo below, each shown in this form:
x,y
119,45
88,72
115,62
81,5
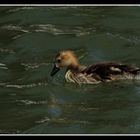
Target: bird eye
x,y
59,61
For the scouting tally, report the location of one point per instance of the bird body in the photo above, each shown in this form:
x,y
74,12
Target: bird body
x,y
93,74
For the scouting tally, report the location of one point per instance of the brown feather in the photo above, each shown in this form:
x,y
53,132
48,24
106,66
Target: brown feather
x,y
107,70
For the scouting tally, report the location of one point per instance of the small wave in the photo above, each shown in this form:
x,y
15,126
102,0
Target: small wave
x,y
133,39
2,84
15,28
29,102
17,36
46,119
6,51
3,66
34,65
83,55
83,14
21,8
82,34
26,86
88,109
62,120
47,28
52,29
62,7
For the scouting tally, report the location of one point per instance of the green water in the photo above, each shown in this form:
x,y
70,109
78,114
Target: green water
x,y
32,102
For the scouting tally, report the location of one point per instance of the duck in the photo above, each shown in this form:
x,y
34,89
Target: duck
x,y
92,74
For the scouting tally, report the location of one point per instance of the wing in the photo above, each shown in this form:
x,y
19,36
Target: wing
x,y
106,70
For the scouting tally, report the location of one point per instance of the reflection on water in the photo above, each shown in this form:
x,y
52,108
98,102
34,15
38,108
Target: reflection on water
x,y
33,102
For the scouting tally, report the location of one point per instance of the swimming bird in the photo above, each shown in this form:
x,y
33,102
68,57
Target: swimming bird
x,y
93,74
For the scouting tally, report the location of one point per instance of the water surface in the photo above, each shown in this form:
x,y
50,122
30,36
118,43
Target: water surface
x,y
32,102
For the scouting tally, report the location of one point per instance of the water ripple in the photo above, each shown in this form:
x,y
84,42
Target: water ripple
x,y
34,65
133,39
63,7
26,86
3,66
47,28
62,120
14,27
7,51
51,29
45,119
29,102
20,8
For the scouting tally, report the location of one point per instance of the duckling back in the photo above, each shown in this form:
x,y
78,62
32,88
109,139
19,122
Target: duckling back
x,y
103,72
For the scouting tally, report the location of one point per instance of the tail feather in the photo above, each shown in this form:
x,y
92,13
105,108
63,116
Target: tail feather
x,y
137,77
130,69
136,71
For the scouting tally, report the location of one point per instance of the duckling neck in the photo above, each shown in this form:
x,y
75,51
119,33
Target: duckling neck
x,y
76,68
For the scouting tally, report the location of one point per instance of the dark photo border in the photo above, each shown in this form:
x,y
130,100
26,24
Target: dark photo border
x,y
69,2
62,3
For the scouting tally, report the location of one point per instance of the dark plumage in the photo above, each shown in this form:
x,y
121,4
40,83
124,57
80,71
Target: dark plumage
x,y
106,70
97,73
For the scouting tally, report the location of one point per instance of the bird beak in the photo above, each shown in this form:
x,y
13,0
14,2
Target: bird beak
x,y
54,70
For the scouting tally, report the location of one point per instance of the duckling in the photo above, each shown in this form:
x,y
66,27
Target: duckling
x,y
93,74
